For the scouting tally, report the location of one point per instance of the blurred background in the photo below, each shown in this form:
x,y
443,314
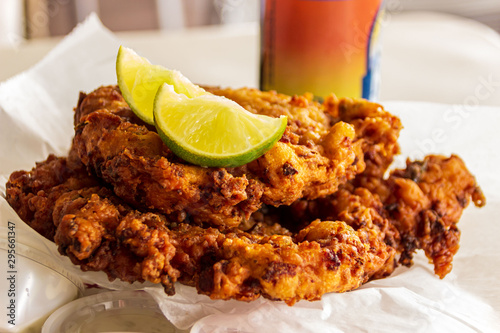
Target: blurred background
x,y
30,19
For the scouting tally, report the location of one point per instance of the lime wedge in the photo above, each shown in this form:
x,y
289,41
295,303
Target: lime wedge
x,y
139,81
211,130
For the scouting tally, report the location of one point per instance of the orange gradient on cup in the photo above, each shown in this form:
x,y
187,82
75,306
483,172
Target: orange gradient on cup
x,y
320,46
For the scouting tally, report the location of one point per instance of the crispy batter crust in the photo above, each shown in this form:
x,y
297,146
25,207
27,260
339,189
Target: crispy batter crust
x,y
426,202
98,231
33,194
143,172
314,214
422,210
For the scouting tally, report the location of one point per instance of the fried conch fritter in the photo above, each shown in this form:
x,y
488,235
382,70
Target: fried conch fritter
x,y
310,161
313,215
98,231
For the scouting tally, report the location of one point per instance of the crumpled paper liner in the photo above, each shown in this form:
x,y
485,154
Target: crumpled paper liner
x,y
36,119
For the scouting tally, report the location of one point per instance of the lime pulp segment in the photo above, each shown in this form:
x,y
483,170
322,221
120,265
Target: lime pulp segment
x,y
139,81
211,130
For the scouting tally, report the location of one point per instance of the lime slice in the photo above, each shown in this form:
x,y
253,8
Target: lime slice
x,y
139,81
213,131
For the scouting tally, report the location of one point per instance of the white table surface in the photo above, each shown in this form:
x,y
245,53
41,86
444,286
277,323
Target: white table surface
x,y
426,57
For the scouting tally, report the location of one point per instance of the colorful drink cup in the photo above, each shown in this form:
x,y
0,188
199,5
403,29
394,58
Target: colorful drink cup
x,y
321,46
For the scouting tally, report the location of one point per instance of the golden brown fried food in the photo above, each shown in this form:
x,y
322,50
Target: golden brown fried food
x,y
422,210
308,120
62,202
426,202
376,130
90,231
305,219
143,172
363,241
32,194
323,257
358,208
99,232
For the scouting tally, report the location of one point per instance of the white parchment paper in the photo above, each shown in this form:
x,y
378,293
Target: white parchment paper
x,y
36,119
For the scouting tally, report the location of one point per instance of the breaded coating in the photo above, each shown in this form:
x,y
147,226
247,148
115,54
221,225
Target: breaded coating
x,y
97,231
360,239
374,126
143,171
376,130
308,120
426,202
422,210
313,215
33,194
